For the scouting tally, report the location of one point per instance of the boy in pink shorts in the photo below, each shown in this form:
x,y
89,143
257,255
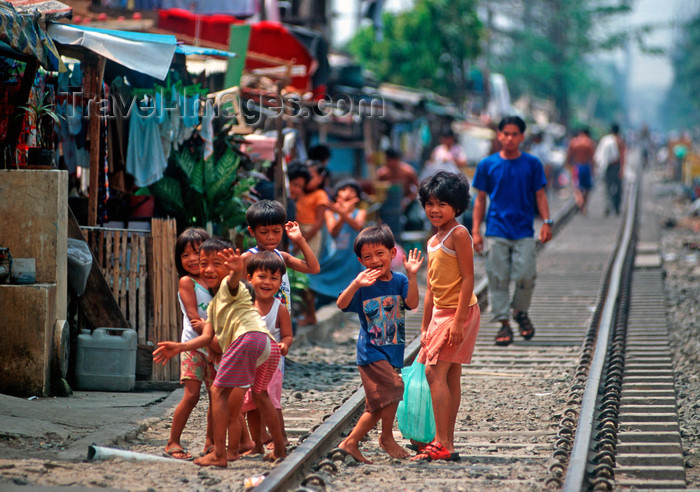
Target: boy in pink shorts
x,y
250,353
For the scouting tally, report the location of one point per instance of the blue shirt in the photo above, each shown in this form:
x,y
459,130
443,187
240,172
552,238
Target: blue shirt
x,y
380,308
511,185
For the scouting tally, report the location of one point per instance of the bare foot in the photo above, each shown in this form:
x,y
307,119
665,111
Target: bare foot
x,y
232,455
256,449
353,450
393,448
271,445
275,455
246,446
211,460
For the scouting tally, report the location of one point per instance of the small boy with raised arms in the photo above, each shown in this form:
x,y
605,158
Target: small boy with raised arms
x,y
379,297
265,270
267,221
250,353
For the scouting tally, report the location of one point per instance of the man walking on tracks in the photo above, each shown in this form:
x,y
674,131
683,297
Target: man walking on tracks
x,y
515,184
579,156
610,159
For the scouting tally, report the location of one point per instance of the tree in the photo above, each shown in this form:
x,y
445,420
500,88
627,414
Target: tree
x,y
682,101
544,46
430,46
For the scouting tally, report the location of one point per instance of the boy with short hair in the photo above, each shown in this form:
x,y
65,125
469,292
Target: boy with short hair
x,y
250,353
265,270
267,221
379,296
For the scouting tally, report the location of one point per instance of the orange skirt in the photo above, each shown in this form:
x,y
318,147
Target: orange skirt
x,y
434,345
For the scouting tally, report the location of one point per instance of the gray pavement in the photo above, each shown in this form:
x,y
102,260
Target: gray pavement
x,y
64,427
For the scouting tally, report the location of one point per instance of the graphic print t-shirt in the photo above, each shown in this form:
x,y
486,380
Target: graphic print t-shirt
x,y
381,310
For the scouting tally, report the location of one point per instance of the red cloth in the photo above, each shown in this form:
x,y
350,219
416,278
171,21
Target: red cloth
x,y
266,37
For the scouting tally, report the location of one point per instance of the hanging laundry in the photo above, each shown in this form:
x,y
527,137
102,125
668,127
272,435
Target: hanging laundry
x,y
145,159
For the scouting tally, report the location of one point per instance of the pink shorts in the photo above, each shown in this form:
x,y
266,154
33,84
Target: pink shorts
x,y
434,345
240,367
274,389
194,365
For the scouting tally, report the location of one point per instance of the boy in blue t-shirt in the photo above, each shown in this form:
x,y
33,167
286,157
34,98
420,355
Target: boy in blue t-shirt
x,y
379,296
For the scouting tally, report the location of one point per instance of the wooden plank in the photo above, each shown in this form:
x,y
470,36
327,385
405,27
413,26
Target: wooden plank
x,y
174,311
106,266
160,326
101,249
158,369
124,271
115,264
150,298
97,304
143,282
133,274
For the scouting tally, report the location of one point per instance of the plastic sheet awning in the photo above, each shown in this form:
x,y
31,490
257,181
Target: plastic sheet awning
x,y
147,53
187,50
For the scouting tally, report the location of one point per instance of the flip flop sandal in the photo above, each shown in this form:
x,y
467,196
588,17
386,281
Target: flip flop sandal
x,y
504,336
170,453
527,330
434,451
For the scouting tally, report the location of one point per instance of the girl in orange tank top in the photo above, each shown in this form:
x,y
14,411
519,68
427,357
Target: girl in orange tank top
x,y
451,314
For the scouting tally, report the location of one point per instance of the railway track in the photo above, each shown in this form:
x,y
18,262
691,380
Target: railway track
x,y
541,384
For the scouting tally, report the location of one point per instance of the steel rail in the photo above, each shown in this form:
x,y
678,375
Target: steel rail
x,y
293,471
576,473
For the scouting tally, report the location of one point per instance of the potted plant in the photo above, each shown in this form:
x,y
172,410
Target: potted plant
x,y
42,116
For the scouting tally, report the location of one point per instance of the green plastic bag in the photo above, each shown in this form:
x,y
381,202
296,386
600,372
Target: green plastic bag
x,y
415,412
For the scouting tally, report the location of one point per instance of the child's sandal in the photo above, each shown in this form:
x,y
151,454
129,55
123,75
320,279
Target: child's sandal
x,y
435,451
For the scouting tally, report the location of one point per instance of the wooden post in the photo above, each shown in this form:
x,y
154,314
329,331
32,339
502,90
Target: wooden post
x,y
280,171
93,73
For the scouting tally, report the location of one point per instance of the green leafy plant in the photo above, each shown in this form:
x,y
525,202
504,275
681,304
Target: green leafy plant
x,y
198,191
42,116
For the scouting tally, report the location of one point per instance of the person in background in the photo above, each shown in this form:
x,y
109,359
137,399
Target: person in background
x,y
579,158
448,156
379,296
320,153
541,149
396,171
515,184
311,208
344,220
610,159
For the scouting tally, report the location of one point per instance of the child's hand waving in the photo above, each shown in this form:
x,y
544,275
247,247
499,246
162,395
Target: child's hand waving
x,y
293,231
368,277
232,259
414,261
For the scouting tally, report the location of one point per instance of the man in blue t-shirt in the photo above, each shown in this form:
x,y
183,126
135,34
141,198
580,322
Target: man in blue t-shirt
x,y
515,184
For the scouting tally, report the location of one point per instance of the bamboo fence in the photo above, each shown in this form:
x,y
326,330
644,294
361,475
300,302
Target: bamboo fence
x,y
140,268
